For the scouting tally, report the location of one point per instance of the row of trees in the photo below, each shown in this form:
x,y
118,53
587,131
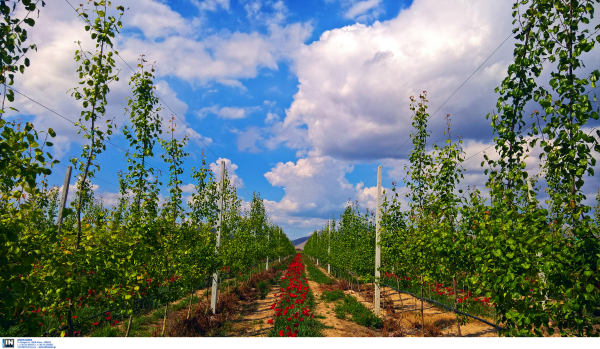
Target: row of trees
x,y
109,256
538,262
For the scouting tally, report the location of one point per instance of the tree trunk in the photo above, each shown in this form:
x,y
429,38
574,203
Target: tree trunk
x,y
129,324
165,319
70,320
190,305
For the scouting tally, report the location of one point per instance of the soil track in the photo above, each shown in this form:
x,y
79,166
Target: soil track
x,y
253,320
341,328
404,311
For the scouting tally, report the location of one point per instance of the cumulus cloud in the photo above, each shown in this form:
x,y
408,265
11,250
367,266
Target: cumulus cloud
x,y
230,168
227,112
364,10
355,81
156,19
268,12
247,140
53,72
211,5
224,58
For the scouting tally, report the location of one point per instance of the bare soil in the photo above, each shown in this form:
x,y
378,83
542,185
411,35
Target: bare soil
x,y
401,314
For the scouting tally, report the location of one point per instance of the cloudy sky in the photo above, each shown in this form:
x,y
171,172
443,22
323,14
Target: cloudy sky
x,y
302,99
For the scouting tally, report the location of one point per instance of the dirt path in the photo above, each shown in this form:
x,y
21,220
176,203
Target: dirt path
x,y
341,328
253,320
407,312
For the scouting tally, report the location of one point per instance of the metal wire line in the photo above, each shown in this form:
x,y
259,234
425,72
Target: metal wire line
x,y
446,101
71,121
102,180
163,101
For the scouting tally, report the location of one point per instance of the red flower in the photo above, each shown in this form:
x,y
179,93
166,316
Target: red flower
x,y
294,335
74,316
96,323
280,331
270,321
296,324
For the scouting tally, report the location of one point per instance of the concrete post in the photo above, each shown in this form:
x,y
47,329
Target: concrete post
x,y
215,285
63,199
377,245
329,248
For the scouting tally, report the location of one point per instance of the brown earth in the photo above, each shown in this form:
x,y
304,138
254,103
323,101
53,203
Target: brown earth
x,y
401,315
341,328
253,320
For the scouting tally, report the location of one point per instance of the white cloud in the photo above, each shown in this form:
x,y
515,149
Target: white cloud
x,y
355,81
364,10
227,112
267,13
271,117
247,140
211,5
230,168
224,58
156,19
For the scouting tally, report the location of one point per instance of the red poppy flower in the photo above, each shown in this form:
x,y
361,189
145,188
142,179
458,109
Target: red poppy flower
x,y
270,321
280,333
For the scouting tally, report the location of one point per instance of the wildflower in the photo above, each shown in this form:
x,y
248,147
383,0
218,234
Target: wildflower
x,y
270,321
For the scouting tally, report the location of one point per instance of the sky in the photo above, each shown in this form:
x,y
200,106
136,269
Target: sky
x,y
303,100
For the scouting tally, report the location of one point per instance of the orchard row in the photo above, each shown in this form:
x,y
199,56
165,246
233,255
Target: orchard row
x,y
109,256
532,264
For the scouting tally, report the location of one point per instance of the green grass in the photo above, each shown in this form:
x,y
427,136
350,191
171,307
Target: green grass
x,y
315,274
263,288
331,296
360,314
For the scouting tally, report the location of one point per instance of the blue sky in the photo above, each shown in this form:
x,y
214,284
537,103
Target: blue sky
x,y
304,99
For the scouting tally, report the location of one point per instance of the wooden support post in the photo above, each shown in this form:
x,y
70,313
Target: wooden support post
x,y
377,244
63,199
215,284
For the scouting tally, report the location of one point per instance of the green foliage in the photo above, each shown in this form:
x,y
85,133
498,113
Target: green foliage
x,y
360,314
315,274
331,296
535,266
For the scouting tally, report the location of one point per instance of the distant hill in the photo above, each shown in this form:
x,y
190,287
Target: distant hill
x,y
301,246
300,240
